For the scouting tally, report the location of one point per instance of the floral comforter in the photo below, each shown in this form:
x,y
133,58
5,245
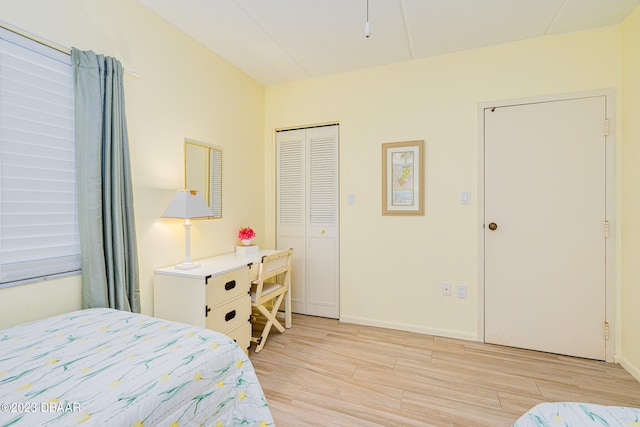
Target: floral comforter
x,y
566,414
102,367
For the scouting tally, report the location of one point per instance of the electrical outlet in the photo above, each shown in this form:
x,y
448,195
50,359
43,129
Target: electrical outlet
x,y
446,289
462,291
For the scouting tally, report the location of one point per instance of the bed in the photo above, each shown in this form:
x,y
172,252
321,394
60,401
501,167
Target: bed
x,y
569,414
105,367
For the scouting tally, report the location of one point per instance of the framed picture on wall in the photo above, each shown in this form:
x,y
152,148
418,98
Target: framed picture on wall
x,y
403,178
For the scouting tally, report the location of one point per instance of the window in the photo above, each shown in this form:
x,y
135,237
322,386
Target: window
x,y
38,210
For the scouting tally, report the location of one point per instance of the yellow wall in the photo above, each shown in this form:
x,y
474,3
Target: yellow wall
x,y
185,92
630,209
25,303
391,268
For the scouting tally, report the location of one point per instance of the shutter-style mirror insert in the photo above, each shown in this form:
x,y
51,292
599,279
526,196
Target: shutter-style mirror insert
x,y
203,172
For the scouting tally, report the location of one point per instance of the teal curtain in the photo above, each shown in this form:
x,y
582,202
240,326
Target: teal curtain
x,y
105,200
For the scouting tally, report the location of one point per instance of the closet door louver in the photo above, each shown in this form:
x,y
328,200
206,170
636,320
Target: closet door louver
x,y
291,182
322,180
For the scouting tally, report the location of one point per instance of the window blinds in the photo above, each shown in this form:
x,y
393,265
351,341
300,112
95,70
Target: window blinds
x,y
38,211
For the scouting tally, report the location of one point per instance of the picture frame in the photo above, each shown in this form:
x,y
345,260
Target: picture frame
x,y
403,178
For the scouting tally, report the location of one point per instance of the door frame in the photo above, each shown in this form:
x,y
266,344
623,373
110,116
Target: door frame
x,y
610,303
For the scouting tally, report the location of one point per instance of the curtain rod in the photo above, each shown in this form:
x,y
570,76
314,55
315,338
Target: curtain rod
x,y
53,45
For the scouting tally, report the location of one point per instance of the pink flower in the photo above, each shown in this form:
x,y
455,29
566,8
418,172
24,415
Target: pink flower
x,y
246,233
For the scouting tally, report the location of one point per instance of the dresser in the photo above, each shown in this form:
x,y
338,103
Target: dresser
x,y
214,295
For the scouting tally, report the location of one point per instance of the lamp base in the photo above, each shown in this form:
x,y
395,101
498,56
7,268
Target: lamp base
x,y
185,266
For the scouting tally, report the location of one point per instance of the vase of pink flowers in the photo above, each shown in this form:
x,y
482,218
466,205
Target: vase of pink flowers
x,y
246,235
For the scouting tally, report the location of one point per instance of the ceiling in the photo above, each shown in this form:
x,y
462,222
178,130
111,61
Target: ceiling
x,y
278,41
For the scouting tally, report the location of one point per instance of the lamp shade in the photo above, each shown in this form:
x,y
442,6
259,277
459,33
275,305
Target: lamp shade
x,y
187,204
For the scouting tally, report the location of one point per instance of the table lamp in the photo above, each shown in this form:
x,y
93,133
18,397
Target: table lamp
x,y
187,205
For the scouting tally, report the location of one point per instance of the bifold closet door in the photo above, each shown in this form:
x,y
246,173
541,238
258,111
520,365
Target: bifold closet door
x,y
291,212
307,216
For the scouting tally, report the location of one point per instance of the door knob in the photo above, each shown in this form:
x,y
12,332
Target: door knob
x,y
322,231
493,226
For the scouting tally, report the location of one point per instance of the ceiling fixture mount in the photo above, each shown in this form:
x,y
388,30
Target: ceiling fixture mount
x,y
367,26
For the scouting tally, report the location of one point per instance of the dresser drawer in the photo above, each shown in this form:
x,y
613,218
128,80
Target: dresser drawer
x,y
229,316
225,287
241,335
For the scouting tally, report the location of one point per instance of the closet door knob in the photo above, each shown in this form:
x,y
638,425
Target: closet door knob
x,y
493,226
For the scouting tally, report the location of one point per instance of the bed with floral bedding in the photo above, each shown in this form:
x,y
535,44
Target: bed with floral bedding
x,y
575,414
104,367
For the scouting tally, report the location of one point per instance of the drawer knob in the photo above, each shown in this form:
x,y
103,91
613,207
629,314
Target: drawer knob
x,y
230,315
229,285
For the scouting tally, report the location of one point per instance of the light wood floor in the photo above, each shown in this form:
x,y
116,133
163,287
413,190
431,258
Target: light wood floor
x,y
326,373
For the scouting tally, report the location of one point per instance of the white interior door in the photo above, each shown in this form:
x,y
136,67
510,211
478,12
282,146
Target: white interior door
x,y
545,279
307,217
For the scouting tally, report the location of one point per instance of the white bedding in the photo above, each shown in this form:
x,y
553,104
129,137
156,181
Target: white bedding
x,y
570,414
104,367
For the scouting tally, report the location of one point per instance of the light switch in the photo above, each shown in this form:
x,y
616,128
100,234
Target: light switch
x,y
465,198
462,291
351,199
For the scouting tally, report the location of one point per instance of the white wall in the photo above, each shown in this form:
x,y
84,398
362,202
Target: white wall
x,y
185,92
392,267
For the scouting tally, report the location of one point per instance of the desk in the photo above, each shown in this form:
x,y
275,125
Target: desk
x,y
227,305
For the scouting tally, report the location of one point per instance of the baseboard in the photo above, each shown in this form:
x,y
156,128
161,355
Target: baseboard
x,y
629,367
448,333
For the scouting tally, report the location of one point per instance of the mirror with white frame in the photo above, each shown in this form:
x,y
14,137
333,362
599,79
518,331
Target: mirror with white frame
x,y
203,172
